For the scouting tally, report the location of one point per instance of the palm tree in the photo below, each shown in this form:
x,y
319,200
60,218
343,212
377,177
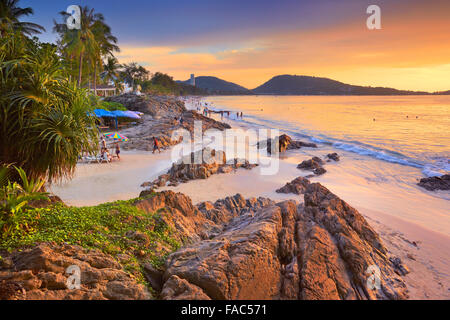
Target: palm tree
x,y
10,14
110,69
134,74
79,42
92,41
45,119
107,46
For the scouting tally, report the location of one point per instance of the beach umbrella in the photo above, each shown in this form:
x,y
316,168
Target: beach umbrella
x,y
132,114
116,136
126,114
104,113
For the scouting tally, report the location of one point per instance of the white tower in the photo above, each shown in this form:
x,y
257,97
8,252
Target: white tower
x,y
192,80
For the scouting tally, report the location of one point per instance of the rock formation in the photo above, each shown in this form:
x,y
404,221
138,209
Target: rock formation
x,y
234,248
198,165
283,143
333,156
40,274
160,119
314,164
296,186
156,106
319,250
436,183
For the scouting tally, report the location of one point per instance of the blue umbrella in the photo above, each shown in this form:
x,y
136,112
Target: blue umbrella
x,y
132,114
104,113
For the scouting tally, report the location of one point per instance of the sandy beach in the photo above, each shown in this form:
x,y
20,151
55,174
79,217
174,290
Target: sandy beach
x,y
428,260
412,222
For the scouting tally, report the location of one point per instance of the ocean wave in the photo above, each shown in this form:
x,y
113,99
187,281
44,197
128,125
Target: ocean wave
x,y
436,167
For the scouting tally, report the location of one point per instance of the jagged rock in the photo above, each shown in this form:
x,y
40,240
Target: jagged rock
x,y
178,212
180,289
194,223
149,104
146,192
283,143
160,120
39,273
333,156
223,210
153,276
319,171
400,268
319,250
436,183
198,165
314,164
296,186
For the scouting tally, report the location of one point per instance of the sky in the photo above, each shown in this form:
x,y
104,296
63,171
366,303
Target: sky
x,y
248,41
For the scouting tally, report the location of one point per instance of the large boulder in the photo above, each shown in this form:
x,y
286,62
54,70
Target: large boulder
x,y
156,106
333,156
322,250
436,183
283,143
296,186
314,164
198,165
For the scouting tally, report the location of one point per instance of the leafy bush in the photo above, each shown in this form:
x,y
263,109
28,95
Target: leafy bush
x,y
44,118
104,227
14,199
111,106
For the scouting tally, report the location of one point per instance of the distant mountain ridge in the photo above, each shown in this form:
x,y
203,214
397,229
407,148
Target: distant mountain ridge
x,y
215,85
297,85
306,85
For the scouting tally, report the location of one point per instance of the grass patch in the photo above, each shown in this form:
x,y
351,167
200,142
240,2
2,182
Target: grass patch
x,y
110,227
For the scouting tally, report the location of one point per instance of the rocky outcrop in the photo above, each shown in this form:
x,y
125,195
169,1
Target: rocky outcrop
x,y
296,186
283,143
314,164
321,250
190,116
333,156
436,183
156,106
177,211
141,135
40,274
234,248
198,165
203,221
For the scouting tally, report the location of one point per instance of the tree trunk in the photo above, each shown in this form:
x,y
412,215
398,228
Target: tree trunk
x,y
95,79
80,70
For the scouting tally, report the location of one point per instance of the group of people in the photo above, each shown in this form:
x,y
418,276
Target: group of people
x,y
104,152
207,113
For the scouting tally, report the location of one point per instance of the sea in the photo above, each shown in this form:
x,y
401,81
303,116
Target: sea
x,y
386,143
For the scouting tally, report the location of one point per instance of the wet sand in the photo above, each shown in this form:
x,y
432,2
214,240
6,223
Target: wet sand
x,y
93,184
428,261
413,223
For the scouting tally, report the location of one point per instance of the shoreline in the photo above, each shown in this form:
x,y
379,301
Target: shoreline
x,y
429,268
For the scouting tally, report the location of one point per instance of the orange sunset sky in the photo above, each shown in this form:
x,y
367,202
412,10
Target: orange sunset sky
x,y
248,42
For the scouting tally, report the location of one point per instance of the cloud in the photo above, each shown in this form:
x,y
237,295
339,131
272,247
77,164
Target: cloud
x,y
411,52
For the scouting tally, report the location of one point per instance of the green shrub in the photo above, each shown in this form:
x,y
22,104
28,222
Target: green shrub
x,y
111,106
102,227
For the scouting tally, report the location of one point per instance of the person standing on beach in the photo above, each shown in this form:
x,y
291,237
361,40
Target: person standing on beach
x,y
156,145
103,144
117,150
